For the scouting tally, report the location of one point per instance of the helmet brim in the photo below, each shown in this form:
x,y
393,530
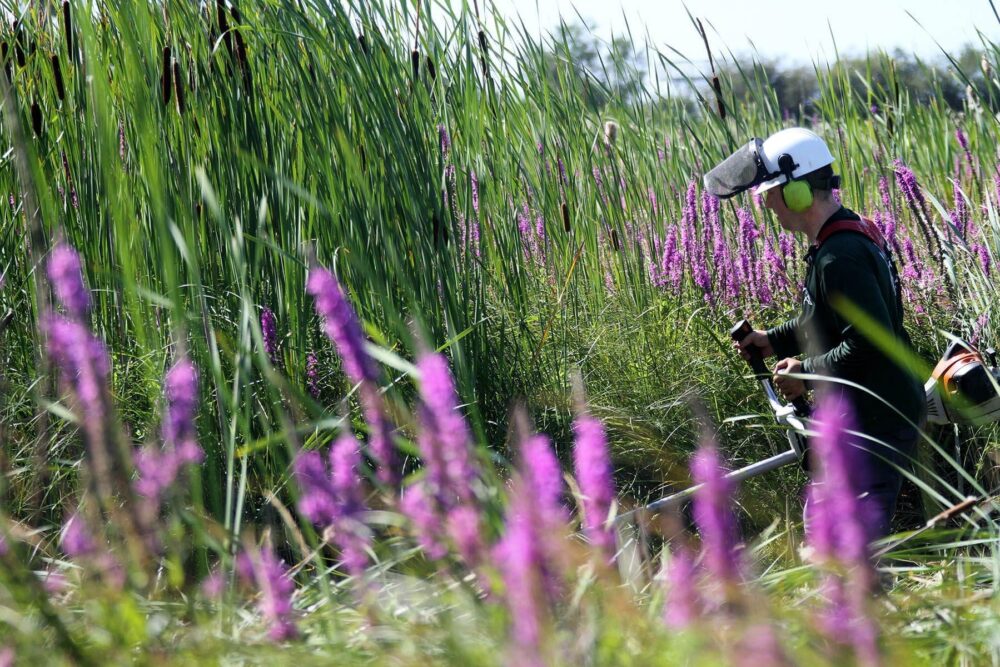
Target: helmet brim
x,y
769,184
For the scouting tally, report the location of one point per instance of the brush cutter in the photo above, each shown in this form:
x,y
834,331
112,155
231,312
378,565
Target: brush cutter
x,y
963,389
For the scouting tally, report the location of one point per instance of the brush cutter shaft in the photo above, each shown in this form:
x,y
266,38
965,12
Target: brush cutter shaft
x,y
752,470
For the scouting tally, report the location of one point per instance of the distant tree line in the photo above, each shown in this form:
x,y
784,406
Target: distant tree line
x,y
616,72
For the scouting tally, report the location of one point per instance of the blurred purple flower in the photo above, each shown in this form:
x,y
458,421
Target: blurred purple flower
x,y
714,516
341,324
269,574
593,472
445,442
474,184
66,276
519,559
269,332
75,540
317,500
682,603
464,528
418,506
543,475
181,392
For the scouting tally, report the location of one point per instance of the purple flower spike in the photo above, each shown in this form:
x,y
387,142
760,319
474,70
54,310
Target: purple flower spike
x,y
75,540
682,604
312,375
445,442
464,528
444,139
317,499
519,560
418,507
181,390
593,473
268,573
269,332
341,324
713,514
66,275
544,476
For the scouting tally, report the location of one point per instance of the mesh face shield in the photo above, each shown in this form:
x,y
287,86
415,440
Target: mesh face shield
x,y
739,172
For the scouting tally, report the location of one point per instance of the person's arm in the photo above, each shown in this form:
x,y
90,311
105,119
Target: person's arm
x,y
784,339
855,281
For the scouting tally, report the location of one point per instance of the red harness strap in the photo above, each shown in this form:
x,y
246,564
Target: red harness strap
x,y
863,226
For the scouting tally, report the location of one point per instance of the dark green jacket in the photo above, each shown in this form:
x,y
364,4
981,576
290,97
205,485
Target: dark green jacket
x,y
849,264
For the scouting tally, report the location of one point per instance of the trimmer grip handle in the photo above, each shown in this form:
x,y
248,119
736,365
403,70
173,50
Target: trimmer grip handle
x,y
741,330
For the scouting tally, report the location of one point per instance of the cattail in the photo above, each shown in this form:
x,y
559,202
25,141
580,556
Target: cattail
x,y
166,77
565,218
415,62
223,20
363,43
179,87
68,29
57,76
19,43
36,119
593,471
241,51
5,54
720,106
614,240
429,63
484,54
610,133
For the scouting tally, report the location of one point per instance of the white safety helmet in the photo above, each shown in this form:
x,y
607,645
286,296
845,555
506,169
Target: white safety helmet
x,y
808,153
764,163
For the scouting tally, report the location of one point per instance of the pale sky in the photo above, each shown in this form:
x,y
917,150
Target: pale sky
x,y
797,30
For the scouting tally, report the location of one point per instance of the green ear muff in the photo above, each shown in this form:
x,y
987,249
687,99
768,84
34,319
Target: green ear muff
x,y
798,196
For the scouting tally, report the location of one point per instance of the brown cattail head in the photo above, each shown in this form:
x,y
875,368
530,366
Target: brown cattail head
x,y
166,76
68,29
5,54
484,54
565,217
430,67
614,240
984,64
223,19
57,76
363,42
19,43
179,87
610,133
415,61
717,86
36,119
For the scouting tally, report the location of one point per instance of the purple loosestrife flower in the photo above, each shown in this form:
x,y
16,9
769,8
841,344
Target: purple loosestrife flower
x,y
269,332
317,499
312,375
689,222
268,573
445,441
66,276
84,366
985,261
7,656
914,197
350,532
670,262
960,214
444,139
418,506
682,603
714,516
344,330
963,141
341,324
75,540
519,560
763,289
181,391
543,475
474,184
463,525
593,472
